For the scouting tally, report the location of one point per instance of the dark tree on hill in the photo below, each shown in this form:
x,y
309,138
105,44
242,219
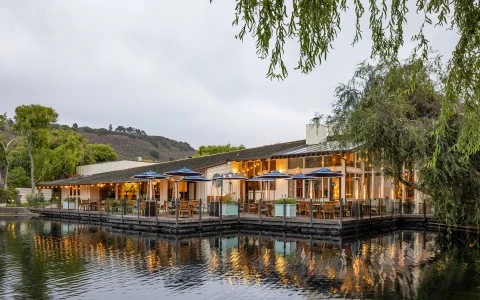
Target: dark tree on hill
x,y
120,129
110,127
75,126
215,149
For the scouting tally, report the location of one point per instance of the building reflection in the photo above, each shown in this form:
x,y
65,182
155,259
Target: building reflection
x,y
371,267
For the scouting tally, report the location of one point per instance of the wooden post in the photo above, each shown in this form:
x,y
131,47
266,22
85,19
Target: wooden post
x,y
341,212
311,212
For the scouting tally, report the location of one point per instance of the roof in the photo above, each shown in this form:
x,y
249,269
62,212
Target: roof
x,y
198,164
303,150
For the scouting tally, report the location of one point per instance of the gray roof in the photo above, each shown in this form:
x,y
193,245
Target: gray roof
x,y
321,148
199,164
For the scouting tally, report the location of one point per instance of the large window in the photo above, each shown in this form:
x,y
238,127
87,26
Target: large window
x,y
350,160
327,161
313,162
336,160
273,165
295,162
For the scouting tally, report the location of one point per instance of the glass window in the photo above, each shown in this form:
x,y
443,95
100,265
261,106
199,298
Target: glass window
x,y
313,162
350,160
295,162
327,161
273,165
264,165
336,160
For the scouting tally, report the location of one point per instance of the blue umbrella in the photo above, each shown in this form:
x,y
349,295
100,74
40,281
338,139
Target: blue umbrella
x,y
302,177
182,172
261,179
275,175
149,176
195,178
325,173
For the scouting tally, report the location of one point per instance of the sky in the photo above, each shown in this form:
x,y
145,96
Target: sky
x,y
171,68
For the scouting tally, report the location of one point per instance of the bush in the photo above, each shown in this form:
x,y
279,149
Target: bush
x,y
286,201
9,196
35,199
154,154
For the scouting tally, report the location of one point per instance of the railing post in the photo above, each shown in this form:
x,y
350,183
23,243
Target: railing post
x,y
88,210
341,212
285,210
200,213
370,210
311,212
122,207
138,210
238,210
156,212
176,213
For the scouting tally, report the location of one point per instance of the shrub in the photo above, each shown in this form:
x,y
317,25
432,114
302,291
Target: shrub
x,y
286,201
154,154
35,199
9,196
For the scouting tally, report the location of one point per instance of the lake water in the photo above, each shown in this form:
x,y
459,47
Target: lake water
x,y
42,259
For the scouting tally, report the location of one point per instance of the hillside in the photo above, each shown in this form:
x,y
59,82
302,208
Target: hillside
x,y
131,146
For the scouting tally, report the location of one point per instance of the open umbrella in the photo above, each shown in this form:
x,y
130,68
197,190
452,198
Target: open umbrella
x,y
302,177
182,173
197,178
324,173
149,176
232,176
275,175
261,179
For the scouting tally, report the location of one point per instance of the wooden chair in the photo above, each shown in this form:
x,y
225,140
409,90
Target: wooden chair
x,y
253,208
195,206
84,205
302,208
328,209
184,207
310,210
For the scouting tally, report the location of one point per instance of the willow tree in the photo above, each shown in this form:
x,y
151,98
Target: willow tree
x,y
314,25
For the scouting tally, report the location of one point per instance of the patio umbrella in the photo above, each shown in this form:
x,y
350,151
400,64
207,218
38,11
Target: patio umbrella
x,y
324,173
275,175
183,172
149,176
261,179
302,177
232,176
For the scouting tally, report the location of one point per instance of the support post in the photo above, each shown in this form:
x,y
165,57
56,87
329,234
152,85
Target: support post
x,y
341,212
311,212
285,210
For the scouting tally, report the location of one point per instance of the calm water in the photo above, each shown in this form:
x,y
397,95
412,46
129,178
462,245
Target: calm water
x,y
53,260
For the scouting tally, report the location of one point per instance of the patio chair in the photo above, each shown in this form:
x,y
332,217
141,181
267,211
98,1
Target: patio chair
x,y
253,208
184,207
328,209
84,204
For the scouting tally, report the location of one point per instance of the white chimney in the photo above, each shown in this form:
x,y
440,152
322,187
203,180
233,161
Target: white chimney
x,y
316,133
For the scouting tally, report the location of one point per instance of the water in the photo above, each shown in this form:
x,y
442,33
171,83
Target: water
x,y
54,260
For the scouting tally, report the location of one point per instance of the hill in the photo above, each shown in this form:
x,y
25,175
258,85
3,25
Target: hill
x,y
130,146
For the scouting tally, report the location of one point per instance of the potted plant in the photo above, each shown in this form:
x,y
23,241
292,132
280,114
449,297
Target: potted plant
x,y
69,203
290,208
229,206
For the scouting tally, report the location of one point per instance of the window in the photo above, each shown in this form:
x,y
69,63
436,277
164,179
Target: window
x,y
273,165
313,162
327,161
295,162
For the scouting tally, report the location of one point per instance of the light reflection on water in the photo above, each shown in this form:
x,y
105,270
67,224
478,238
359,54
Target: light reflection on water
x,y
43,259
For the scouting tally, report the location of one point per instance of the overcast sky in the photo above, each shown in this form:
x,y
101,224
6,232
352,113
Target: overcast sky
x,y
171,68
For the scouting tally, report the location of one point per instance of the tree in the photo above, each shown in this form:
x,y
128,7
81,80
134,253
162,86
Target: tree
x,y
215,149
7,140
314,25
75,126
99,153
110,127
390,111
33,123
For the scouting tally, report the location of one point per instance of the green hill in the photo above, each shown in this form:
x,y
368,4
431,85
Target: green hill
x,y
138,144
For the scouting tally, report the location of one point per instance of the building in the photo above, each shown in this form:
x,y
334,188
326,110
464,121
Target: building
x,y
360,180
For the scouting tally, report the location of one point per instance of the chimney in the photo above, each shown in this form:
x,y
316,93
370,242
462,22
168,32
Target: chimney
x,y
316,133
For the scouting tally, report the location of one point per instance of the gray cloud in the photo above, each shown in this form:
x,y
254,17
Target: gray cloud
x,y
172,68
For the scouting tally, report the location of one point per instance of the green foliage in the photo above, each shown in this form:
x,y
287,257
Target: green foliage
x,y
154,154
18,177
36,199
229,198
96,153
286,201
215,149
390,111
9,196
314,26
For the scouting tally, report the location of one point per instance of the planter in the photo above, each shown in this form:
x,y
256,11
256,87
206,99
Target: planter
x,y
290,213
229,209
69,205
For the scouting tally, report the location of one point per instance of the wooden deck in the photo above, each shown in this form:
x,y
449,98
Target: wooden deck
x,y
332,229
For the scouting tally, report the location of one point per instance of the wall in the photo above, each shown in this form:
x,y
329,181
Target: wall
x,y
110,166
316,134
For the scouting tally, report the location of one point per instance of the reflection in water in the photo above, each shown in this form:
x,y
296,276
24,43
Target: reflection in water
x,y
42,259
